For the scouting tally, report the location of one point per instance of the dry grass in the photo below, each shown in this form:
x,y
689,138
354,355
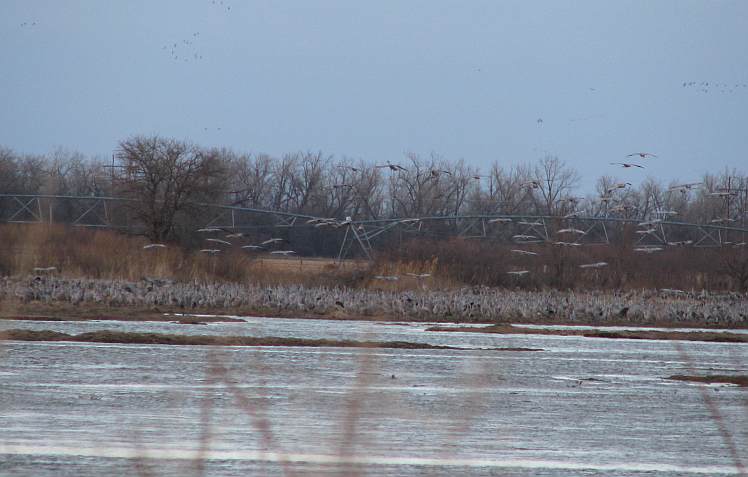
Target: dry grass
x,y
79,252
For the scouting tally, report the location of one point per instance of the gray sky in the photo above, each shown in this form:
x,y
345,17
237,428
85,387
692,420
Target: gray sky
x,y
375,79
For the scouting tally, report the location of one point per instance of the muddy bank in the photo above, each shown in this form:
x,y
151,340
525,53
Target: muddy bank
x,y
67,312
108,336
740,380
724,337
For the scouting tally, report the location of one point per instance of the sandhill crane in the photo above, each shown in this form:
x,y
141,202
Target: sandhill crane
x,y
519,272
623,208
253,247
594,265
572,231
680,243
419,275
567,244
210,251
272,240
153,246
523,237
45,269
388,278
643,155
501,220
350,168
235,235
410,221
531,184
285,253
523,252
684,188
620,185
531,224
648,249
722,194
435,173
672,291
572,200
648,223
391,166
209,230
626,165
222,242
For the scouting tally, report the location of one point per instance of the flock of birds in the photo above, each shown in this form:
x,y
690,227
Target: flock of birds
x,y
571,235
216,242
184,50
648,228
465,305
714,87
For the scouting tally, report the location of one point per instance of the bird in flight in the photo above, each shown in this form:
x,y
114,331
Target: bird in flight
x,y
683,188
272,240
153,245
531,184
594,265
626,164
223,242
643,155
437,172
523,252
283,252
620,185
391,166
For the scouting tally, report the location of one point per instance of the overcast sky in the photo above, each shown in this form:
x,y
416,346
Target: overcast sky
x,y
373,80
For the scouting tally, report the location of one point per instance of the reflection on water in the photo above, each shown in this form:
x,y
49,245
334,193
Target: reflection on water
x,y
581,407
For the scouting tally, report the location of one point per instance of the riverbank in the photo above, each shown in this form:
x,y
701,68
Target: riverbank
x,y
120,337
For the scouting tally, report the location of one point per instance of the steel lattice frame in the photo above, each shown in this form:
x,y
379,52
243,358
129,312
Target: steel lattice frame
x,y
93,211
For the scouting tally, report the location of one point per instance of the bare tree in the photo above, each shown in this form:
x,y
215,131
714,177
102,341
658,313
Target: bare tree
x,y
167,177
553,180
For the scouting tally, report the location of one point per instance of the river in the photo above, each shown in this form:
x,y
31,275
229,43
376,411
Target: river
x,y
582,406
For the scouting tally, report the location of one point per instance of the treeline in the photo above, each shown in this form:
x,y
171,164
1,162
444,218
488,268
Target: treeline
x,y
166,177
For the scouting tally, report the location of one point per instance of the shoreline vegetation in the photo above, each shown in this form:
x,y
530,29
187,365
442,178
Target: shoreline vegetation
x,y
716,337
122,337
